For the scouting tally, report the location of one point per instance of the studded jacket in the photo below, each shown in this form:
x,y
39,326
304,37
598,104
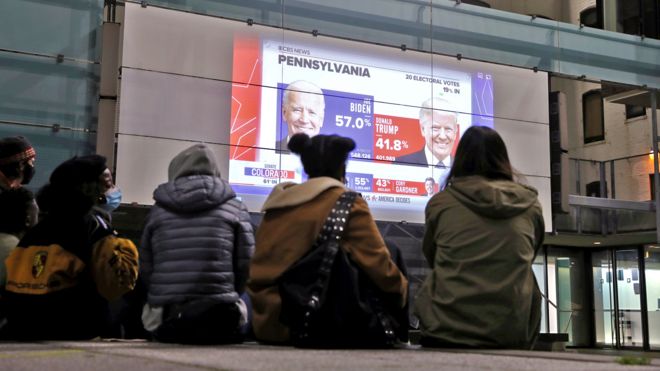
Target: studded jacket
x,y
294,216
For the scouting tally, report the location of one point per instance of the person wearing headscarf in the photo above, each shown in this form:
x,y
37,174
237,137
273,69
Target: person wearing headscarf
x,y
294,216
17,157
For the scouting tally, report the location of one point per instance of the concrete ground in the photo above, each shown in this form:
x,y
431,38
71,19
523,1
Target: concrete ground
x,y
147,356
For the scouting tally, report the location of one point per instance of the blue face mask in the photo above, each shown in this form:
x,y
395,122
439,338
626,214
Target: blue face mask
x,y
113,199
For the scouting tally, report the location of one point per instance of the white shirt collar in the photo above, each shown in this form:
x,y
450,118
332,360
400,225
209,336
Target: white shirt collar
x,y
431,160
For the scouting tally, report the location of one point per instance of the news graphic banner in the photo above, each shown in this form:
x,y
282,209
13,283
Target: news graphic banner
x,y
246,99
375,101
346,114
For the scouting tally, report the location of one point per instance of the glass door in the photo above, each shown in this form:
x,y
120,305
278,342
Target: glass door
x,y
629,298
652,270
568,298
602,268
617,298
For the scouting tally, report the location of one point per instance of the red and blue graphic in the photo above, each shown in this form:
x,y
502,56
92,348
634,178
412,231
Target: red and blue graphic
x,y
482,100
245,99
346,114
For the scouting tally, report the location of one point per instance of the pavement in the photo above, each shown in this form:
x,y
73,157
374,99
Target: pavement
x,y
146,356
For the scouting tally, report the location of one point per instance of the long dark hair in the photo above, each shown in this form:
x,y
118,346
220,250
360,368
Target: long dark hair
x,y
481,151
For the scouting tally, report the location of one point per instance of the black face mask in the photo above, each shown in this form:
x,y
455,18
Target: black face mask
x,y
28,173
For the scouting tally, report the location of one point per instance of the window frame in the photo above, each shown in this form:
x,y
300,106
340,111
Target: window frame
x,y
630,114
597,10
596,138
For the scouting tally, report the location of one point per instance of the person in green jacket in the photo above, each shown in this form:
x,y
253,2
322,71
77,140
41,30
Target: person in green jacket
x,y
481,236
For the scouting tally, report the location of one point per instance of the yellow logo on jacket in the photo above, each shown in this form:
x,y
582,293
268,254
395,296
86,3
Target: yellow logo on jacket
x,y
39,263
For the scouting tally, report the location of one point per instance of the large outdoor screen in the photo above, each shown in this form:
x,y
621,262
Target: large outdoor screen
x,y
405,117
245,90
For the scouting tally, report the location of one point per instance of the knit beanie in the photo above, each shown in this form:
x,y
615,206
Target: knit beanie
x,y
78,170
322,155
65,194
15,149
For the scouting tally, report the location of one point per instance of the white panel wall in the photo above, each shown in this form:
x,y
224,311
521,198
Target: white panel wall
x,y
177,42
143,163
520,94
528,146
174,106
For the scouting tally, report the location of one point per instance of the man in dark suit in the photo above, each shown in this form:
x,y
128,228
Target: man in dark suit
x,y
303,109
429,186
439,128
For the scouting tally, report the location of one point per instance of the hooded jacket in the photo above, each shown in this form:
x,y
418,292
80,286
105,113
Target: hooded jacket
x,y
198,238
294,215
481,239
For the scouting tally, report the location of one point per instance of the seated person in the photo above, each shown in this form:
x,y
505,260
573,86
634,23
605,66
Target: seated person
x,y
19,213
481,237
195,253
64,271
17,162
294,216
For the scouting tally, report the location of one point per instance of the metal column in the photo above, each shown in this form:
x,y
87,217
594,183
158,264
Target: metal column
x,y
656,175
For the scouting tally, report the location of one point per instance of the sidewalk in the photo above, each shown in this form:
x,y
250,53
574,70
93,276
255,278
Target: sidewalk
x,y
145,356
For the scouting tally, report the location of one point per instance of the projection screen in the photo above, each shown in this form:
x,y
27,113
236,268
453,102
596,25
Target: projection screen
x,y
243,90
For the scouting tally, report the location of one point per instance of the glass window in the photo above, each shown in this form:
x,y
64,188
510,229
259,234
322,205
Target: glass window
x,y
605,328
651,18
652,275
592,116
539,272
639,17
633,111
591,17
477,3
628,20
541,16
628,294
569,310
652,185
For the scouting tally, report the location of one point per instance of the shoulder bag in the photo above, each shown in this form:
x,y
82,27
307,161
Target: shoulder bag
x,y
329,302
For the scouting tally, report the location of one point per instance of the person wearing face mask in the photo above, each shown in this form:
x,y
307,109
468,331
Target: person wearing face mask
x,y
17,157
72,262
110,198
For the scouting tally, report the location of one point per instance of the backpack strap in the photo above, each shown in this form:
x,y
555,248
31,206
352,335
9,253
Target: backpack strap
x,y
329,237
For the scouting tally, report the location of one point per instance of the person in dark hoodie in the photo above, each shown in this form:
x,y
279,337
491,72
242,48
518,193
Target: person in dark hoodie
x,y
482,235
195,254
65,269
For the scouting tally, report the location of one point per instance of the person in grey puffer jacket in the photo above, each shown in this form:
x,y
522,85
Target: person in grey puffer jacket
x,y
195,254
